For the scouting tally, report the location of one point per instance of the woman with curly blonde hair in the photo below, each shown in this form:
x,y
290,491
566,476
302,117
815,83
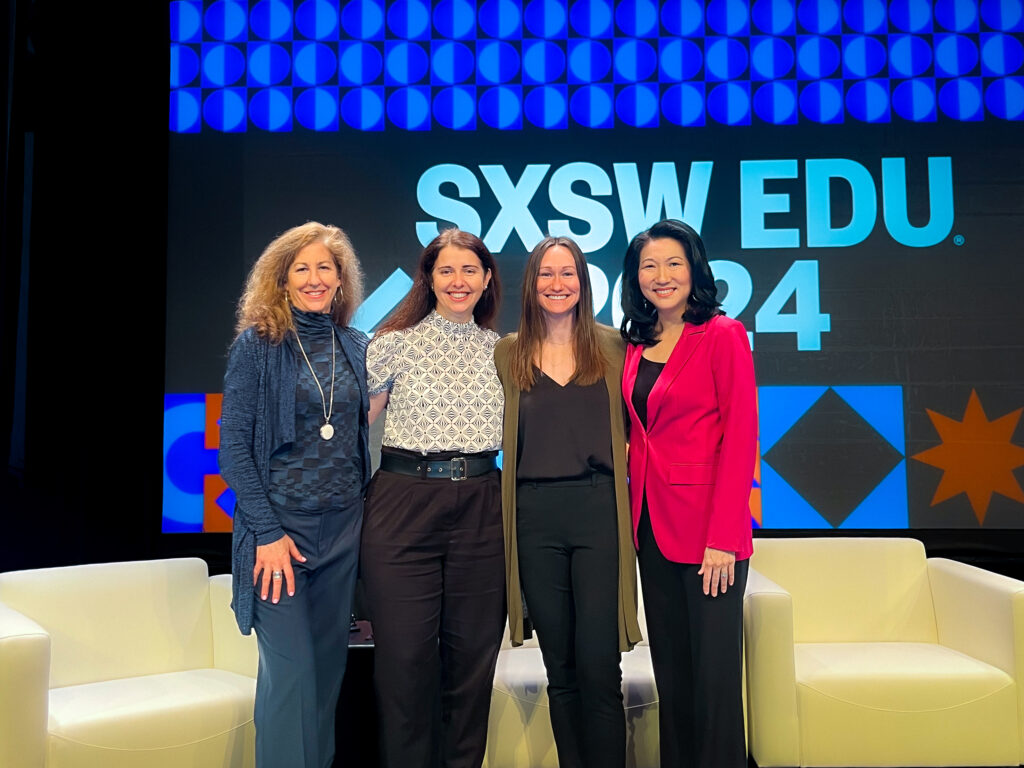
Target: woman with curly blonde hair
x,y
264,304
294,449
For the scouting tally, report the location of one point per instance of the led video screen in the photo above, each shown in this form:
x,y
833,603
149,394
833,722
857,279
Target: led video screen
x,y
855,168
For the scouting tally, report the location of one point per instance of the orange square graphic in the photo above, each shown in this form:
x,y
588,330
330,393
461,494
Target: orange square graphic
x,y
215,519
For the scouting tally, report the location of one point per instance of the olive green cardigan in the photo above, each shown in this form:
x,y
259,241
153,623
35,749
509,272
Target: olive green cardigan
x,y
614,350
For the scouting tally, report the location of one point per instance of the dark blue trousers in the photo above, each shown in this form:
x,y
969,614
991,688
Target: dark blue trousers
x,y
303,641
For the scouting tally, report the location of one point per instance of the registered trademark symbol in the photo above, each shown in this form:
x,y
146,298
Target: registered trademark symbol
x,y
958,239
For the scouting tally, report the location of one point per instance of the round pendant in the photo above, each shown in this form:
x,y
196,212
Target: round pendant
x,y
326,431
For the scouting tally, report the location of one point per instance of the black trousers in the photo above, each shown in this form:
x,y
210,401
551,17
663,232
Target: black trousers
x,y
697,651
568,567
303,641
433,564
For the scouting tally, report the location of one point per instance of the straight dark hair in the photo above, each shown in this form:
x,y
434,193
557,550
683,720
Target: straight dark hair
x,y
420,300
639,316
590,362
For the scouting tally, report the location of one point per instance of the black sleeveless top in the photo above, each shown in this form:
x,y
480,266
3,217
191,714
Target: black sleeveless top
x,y
564,432
646,375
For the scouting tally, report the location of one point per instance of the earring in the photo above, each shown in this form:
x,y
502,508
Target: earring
x,y
338,296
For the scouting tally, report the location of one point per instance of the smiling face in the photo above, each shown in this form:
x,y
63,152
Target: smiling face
x,y
664,277
313,279
558,283
458,280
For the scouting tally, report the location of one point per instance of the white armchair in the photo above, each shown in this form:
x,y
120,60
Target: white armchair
x,y
863,652
124,664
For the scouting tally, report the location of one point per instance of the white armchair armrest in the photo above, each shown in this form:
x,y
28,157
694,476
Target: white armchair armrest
x,y
232,650
981,614
24,690
774,736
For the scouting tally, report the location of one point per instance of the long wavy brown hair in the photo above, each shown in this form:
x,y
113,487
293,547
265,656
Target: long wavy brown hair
x,y
590,360
420,300
264,304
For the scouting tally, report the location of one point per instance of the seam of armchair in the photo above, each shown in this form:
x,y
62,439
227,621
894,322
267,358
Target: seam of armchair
x,y
211,737
843,700
28,627
15,635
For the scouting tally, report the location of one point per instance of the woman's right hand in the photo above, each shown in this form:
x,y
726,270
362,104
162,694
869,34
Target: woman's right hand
x,y
276,557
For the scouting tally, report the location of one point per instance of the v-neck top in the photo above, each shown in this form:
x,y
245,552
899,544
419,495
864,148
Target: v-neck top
x,y
564,432
647,374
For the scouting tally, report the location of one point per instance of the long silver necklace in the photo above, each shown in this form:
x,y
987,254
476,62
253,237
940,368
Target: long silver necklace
x,y
326,431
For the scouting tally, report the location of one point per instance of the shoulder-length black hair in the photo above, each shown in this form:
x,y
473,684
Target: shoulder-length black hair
x,y
639,316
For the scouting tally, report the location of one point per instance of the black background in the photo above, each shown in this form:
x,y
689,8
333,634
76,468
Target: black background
x,y
87,88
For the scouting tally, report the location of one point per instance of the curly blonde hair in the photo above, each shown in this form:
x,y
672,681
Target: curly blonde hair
x,y
264,304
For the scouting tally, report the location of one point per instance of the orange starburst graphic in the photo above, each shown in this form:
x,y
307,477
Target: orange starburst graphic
x,y
976,457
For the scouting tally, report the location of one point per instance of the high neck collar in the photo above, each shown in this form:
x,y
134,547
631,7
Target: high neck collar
x,y
437,320
312,324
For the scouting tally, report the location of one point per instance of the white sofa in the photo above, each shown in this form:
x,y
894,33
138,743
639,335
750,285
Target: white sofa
x,y
865,652
124,664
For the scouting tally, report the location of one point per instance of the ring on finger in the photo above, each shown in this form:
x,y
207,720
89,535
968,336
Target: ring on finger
x,y
277,575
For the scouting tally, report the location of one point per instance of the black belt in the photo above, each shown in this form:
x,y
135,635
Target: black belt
x,y
456,469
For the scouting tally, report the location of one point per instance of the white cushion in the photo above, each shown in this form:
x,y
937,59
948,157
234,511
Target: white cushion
x,y
903,704
519,734
903,677
154,711
520,674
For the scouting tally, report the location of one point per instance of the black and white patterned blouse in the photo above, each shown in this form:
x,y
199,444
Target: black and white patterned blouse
x,y
445,393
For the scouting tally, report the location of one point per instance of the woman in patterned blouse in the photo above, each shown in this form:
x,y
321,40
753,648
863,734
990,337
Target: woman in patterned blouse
x,y
432,550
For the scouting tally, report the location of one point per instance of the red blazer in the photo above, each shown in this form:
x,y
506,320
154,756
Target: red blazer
x,y
695,460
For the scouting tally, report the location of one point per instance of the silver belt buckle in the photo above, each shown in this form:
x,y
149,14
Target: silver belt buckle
x,y
458,469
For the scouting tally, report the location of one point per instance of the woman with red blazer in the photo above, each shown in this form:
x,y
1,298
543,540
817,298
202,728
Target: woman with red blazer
x,y
688,384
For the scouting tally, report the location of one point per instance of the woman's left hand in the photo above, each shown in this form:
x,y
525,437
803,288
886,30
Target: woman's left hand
x,y
718,570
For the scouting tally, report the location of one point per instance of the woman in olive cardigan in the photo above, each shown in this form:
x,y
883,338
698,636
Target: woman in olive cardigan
x,y
565,502
629,629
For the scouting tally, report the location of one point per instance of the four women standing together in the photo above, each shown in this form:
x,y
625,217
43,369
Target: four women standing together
x,y
566,399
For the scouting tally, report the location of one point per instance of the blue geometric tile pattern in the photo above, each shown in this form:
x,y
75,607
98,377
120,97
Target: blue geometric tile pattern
x,y
370,65
885,506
